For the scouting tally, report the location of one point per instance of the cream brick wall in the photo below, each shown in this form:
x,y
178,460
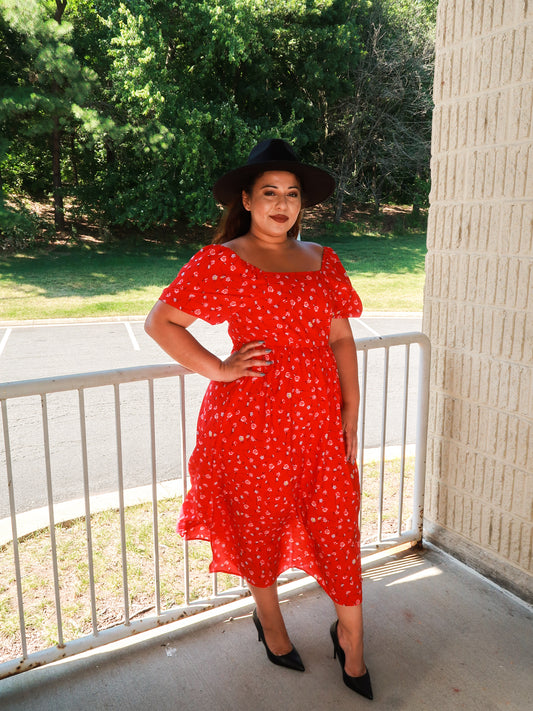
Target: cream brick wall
x,y
479,289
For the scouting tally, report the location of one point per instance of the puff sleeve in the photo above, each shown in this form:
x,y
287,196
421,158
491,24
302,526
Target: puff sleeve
x,y
345,300
201,287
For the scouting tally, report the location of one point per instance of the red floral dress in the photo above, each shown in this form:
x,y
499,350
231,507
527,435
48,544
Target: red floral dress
x,y
271,487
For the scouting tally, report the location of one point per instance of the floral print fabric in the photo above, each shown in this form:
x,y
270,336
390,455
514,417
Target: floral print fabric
x,y
270,485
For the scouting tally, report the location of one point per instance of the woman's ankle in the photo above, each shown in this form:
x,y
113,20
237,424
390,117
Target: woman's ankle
x,y
351,641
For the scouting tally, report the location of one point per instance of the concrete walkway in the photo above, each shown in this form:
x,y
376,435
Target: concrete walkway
x,y
438,638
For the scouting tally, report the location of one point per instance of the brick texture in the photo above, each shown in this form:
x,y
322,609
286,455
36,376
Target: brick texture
x,y
479,281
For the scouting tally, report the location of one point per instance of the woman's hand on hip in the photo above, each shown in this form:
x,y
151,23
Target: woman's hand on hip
x,y
242,363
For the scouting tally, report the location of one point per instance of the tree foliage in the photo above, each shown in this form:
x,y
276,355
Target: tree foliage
x,y
48,96
132,109
380,136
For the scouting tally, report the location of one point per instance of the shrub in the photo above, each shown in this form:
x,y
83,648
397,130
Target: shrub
x,y
20,228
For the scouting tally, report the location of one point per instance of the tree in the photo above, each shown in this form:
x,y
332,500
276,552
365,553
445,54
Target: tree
x,y
191,85
53,88
381,129
133,109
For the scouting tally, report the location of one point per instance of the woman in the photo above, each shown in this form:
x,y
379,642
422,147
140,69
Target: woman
x,y
274,474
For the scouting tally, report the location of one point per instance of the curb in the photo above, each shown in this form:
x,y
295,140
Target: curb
x,y
29,522
69,321
118,319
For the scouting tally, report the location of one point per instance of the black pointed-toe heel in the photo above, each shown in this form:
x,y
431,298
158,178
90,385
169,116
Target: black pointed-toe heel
x,y
292,660
359,684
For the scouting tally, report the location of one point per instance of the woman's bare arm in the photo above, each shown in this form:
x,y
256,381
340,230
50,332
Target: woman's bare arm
x,y
343,346
168,327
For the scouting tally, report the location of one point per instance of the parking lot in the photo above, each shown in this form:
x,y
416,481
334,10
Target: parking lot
x,y
45,350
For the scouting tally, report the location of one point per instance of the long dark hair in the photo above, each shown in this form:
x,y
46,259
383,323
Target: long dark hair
x,y
236,220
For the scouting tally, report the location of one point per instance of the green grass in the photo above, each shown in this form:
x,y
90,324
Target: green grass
x,y
387,270
37,579
36,567
81,280
91,279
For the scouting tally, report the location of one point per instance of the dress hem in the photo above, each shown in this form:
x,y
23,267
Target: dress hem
x,y
231,569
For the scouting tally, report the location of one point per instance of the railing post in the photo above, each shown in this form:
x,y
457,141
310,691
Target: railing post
x,y
12,512
383,440
361,433
183,437
421,434
122,512
404,435
52,526
87,500
155,515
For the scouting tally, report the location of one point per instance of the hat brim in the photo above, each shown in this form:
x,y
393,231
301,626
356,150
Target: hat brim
x,y
317,184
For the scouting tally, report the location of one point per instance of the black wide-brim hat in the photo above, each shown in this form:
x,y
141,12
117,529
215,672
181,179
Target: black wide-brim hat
x,y
275,154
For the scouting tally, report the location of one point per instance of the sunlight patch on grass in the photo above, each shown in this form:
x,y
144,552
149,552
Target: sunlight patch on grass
x,y
75,281
390,292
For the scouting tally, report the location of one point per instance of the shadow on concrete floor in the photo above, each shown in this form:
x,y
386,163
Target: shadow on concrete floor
x,y
438,637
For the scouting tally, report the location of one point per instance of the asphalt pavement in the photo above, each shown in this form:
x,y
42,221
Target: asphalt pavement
x,y
48,349
43,349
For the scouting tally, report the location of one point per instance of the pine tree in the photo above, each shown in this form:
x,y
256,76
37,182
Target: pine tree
x,y
50,94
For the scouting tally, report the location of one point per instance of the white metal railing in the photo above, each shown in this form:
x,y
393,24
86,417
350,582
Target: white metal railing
x,y
386,343
373,385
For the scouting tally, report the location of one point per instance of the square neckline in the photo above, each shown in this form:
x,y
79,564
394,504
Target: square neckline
x,y
264,271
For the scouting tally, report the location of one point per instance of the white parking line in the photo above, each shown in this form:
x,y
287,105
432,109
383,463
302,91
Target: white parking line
x,y
56,323
4,339
368,328
136,346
